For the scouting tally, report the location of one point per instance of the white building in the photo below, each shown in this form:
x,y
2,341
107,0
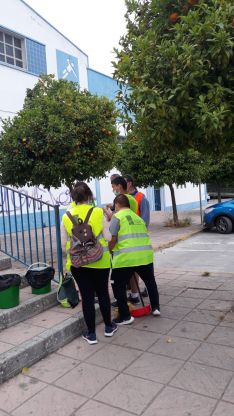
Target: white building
x,y
31,46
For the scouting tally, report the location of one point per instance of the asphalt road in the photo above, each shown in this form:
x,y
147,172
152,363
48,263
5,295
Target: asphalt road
x,y
206,251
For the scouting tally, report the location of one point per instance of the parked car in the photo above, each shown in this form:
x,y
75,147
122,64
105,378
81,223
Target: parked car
x,y
221,216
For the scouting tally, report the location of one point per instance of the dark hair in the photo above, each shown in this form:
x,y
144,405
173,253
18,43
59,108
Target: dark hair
x,y
122,200
129,178
114,175
81,192
119,180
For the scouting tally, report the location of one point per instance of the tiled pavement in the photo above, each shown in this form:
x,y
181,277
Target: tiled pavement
x,y
181,364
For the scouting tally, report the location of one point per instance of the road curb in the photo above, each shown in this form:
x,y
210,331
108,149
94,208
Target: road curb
x,y
5,263
12,362
171,243
27,309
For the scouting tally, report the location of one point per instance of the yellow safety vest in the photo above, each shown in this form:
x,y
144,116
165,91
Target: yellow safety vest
x,y
133,247
96,222
133,203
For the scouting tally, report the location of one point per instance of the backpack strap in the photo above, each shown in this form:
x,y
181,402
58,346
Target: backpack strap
x,y
71,218
86,220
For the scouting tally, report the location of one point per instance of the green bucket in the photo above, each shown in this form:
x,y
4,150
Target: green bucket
x,y
42,290
9,298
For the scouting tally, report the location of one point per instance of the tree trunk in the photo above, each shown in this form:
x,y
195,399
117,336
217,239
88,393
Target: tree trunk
x,y
219,193
174,207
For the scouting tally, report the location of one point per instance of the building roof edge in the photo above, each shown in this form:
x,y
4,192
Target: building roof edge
x,y
53,27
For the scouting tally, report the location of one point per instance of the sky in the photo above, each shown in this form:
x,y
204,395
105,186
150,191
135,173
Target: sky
x,y
95,26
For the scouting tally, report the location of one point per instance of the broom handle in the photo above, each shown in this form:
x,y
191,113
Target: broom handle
x,y
135,278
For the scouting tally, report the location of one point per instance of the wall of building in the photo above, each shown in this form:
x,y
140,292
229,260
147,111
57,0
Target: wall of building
x,y
50,51
101,84
187,197
21,20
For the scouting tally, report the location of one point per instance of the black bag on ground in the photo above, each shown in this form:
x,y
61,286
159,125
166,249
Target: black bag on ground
x,y
39,277
67,294
9,280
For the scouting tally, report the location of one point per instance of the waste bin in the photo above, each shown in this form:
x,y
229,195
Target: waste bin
x,y
39,276
9,291
42,290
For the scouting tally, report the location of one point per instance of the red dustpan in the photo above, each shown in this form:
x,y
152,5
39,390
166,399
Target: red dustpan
x,y
145,309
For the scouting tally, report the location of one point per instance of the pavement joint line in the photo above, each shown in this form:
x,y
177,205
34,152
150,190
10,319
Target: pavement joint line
x,y
184,363
39,346
193,392
212,274
188,360
29,398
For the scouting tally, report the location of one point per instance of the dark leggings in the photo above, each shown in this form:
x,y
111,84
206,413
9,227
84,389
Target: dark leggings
x,y
91,281
121,277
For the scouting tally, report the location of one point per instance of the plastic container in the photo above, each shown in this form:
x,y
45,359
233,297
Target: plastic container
x,y
43,290
144,310
9,298
39,276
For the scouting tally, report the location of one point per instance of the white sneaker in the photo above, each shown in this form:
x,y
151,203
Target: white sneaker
x,y
128,321
156,312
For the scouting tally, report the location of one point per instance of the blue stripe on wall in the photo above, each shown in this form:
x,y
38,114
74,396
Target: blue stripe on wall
x,y
10,221
186,207
101,84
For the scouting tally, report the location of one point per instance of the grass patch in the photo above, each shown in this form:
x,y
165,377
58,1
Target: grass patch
x,y
182,222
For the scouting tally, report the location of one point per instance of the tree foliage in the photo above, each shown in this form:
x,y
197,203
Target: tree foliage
x,y
149,168
177,61
219,172
61,134
157,169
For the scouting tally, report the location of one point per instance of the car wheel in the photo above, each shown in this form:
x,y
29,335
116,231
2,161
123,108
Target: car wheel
x,y
223,225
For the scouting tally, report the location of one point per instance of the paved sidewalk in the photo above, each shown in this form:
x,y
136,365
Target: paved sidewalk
x,y
163,237
181,364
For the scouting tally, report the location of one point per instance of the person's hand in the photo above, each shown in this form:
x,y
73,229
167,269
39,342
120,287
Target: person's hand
x,y
108,214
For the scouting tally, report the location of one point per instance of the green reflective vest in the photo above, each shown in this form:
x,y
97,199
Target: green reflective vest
x,y
133,247
132,202
96,222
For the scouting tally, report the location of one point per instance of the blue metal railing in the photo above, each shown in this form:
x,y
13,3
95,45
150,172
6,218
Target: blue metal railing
x,y
29,229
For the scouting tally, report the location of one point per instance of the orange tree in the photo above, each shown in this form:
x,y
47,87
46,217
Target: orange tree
x,y
177,62
219,172
157,169
61,134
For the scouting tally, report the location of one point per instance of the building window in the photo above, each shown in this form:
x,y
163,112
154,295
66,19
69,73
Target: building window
x,y
12,50
22,53
36,57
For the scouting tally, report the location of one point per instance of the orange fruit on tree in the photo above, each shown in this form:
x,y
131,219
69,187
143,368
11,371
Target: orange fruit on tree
x,y
192,2
174,17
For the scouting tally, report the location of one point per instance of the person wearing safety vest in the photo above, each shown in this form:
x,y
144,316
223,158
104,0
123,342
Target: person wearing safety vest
x,y
132,253
93,277
119,186
143,211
